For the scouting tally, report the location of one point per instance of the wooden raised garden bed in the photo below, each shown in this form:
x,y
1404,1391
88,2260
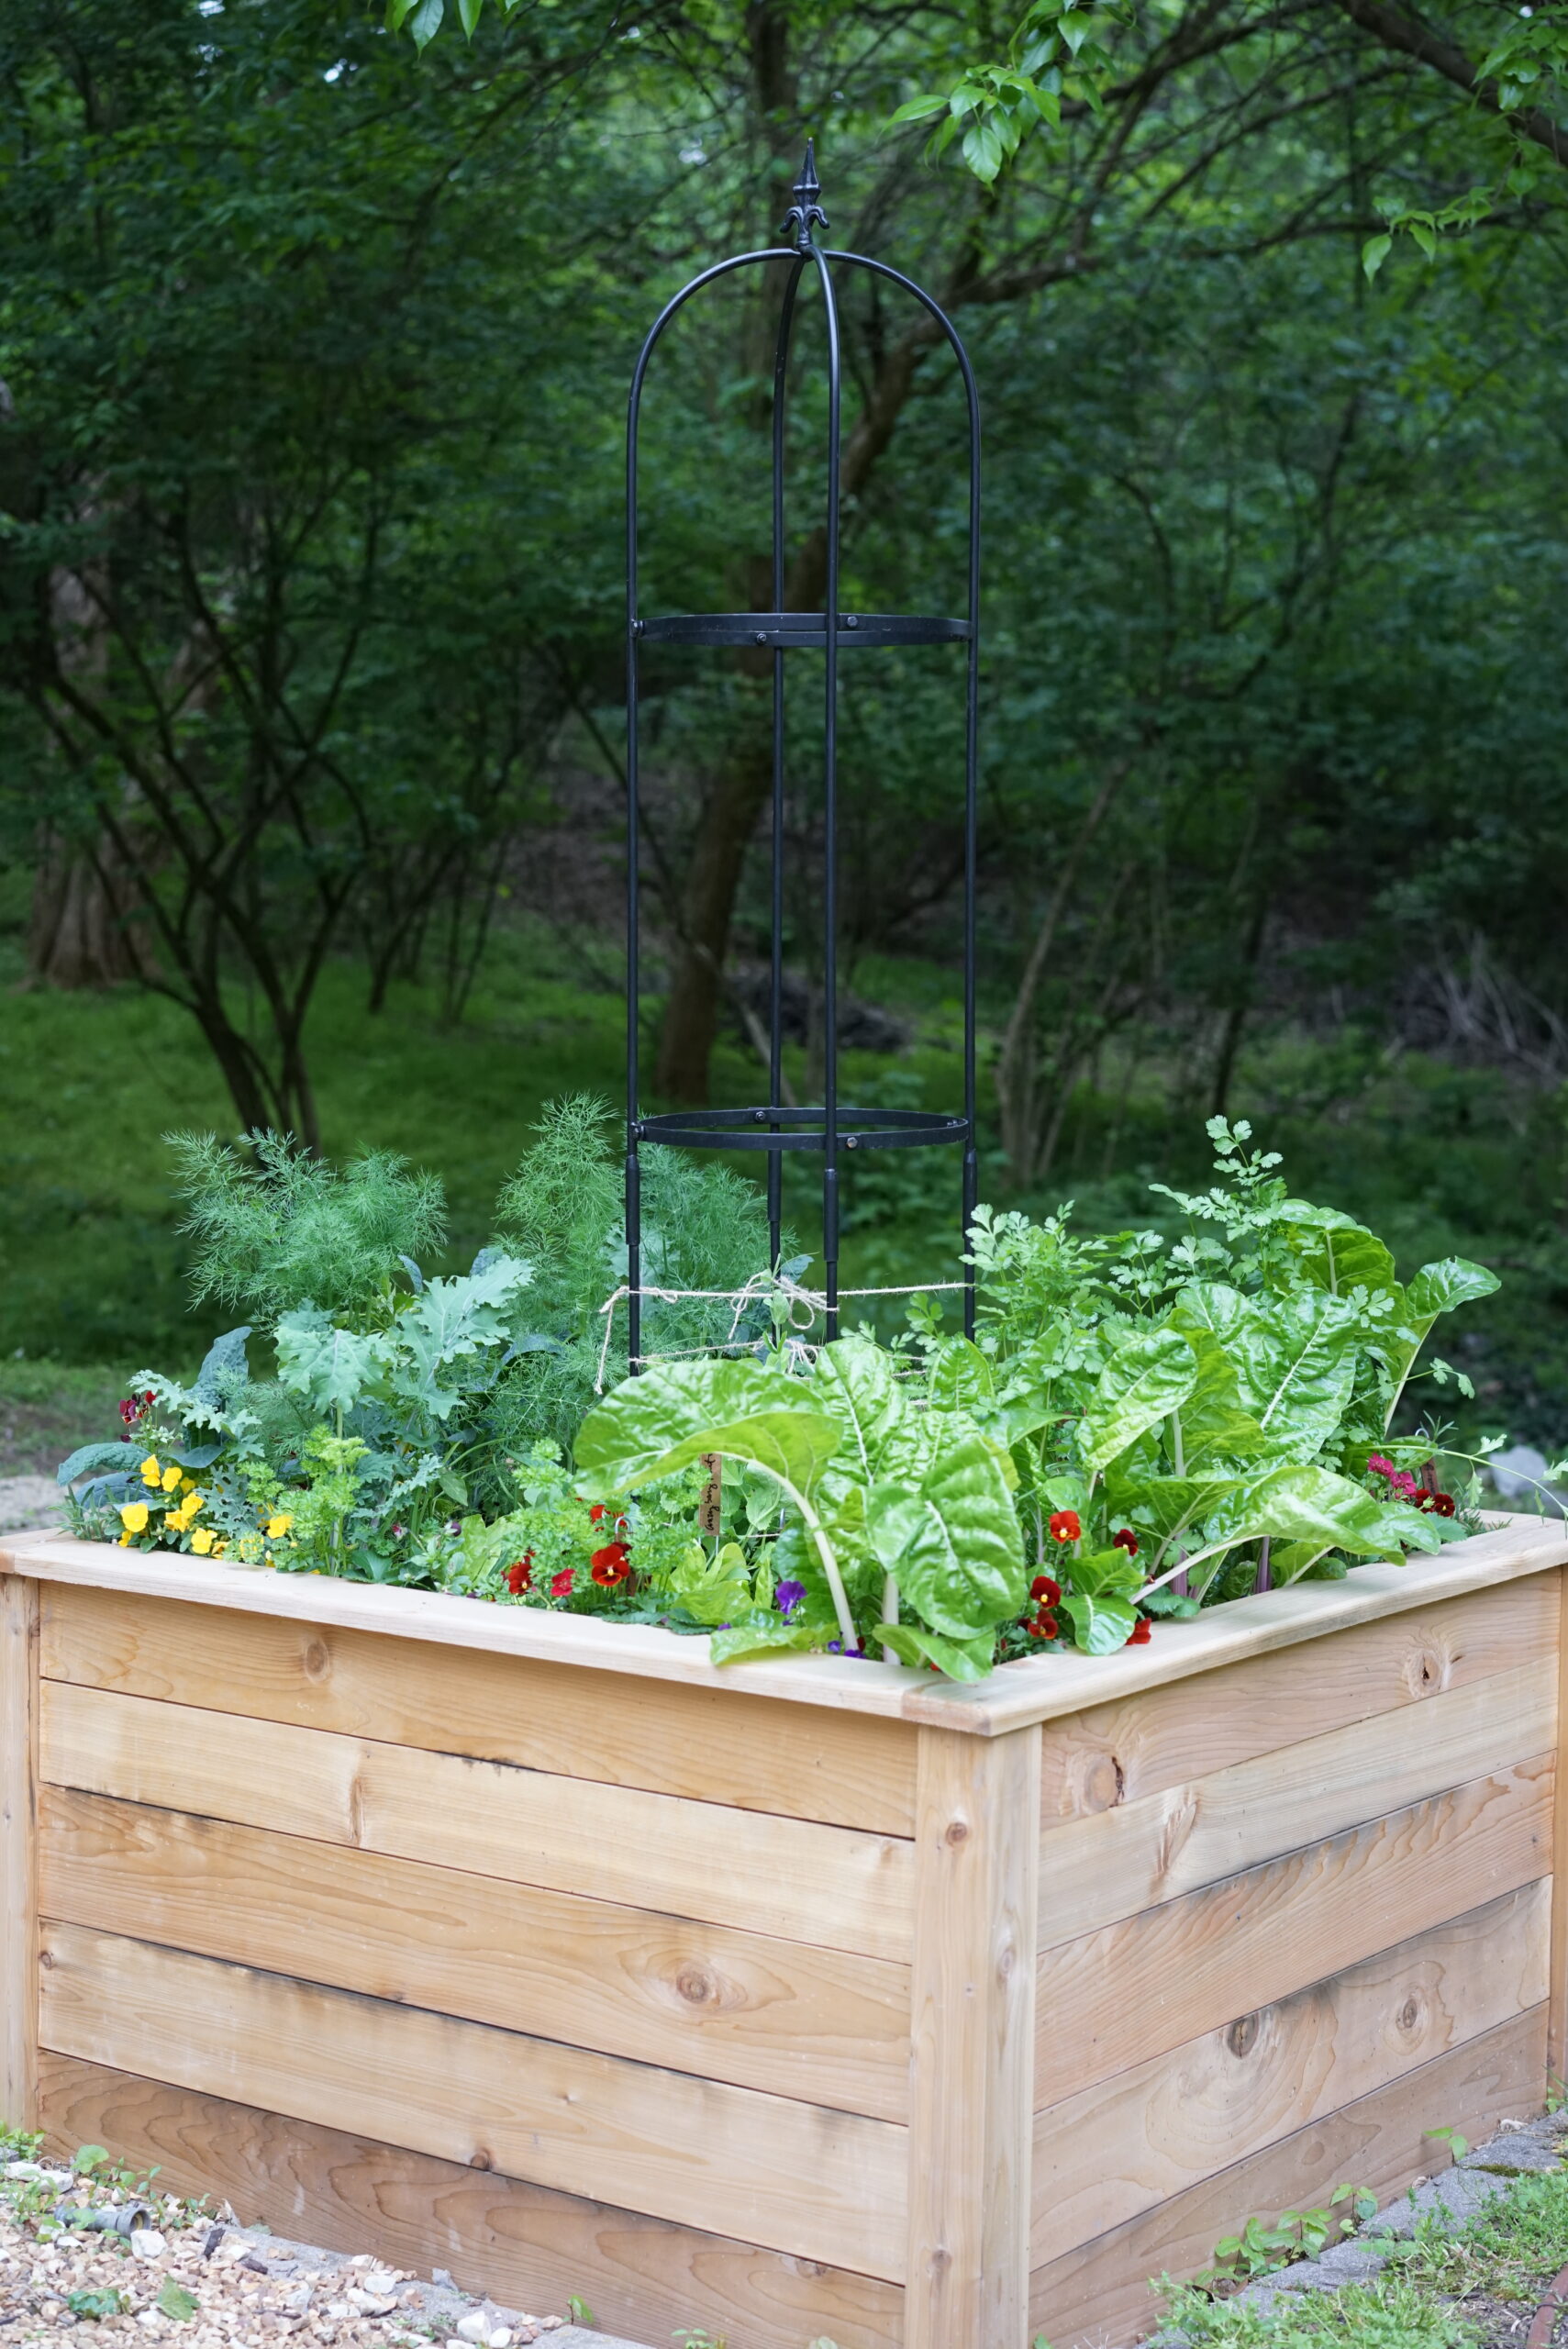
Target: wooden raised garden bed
x,y
804,1998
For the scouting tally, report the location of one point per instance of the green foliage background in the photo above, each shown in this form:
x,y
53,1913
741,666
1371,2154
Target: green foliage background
x,y
315,354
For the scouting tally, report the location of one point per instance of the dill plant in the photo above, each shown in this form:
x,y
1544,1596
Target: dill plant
x,y
280,1229
562,1210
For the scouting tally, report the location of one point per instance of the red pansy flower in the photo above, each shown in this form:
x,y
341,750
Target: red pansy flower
x,y
1126,1540
520,1573
596,1514
1043,1626
561,1582
1064,1526
1442,1504
1141,1632
1044,1587
610,1566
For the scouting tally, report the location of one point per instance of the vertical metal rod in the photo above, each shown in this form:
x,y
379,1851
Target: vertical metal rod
x,y
775,1019
831,825
633,1111
971,854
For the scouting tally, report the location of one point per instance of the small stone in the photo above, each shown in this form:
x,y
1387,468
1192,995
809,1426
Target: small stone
x,y
382,2280
474,2327
501,2339
371,2303
147,2243
337,2310
150,2320
298,2300
24,2169
440,2276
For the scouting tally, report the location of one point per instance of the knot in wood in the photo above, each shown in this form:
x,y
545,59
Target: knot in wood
x,y
1427,1669
316,1660
481,2160
1410,2014
1242,2035
695,1986
958,1830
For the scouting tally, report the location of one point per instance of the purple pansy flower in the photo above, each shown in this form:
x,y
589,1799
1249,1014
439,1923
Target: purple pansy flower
x,y
788,1596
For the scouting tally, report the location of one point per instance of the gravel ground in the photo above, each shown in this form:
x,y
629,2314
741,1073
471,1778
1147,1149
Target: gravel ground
x,y
182,2274
30,1503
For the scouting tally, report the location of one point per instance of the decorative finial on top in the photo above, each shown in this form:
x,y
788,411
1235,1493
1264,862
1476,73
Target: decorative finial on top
x,y
806,209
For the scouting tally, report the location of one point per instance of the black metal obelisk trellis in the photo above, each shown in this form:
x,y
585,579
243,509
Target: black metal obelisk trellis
x,y
834,1128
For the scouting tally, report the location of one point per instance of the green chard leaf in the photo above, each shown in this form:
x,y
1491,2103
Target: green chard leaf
x,y
651,1426
953,1541
959,1659
1150,1375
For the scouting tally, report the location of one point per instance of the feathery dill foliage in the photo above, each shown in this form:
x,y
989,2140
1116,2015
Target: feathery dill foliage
x,y
703,1228
279,1229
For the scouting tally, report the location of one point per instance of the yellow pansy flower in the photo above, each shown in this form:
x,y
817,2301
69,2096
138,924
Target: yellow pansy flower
x,y
188,1484
133,1516
152,1475
203,1540
170,1477
219,1549
124,1541
278,1526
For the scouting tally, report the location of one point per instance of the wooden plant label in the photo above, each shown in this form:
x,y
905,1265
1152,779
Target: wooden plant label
x,y
710,1509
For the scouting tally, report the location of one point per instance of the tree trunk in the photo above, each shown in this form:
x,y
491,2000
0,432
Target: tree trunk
x,y
78,935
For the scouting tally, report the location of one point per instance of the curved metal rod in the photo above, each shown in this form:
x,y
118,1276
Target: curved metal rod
x,y
633,1078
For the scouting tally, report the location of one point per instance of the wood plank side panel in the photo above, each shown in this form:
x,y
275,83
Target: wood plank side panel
x,y
814,2024
1116,1754
972,2027
1191,1965
802,1881
18,1850
1557,2030
707,1743
1098,2297
1096,1870
525,2245
826,2185
1169,2122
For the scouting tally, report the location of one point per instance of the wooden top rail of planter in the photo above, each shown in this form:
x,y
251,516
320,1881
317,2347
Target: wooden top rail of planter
x,y
1034,1689
793,1998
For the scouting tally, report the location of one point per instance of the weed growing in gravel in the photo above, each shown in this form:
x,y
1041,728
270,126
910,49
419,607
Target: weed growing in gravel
x,y
1385,2315
1515,2240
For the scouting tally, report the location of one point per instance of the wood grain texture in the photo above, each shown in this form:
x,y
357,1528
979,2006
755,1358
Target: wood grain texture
x,y
18,1852
525,2245
705,1743
1557,2027
1098,2297
1118,1754
825,2184
1165,2124
1018,1694
1096,1870
809,2023
1191,1965
972,2017
792,1877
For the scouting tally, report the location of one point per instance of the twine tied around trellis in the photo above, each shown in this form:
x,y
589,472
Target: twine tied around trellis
x,y
795,1308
